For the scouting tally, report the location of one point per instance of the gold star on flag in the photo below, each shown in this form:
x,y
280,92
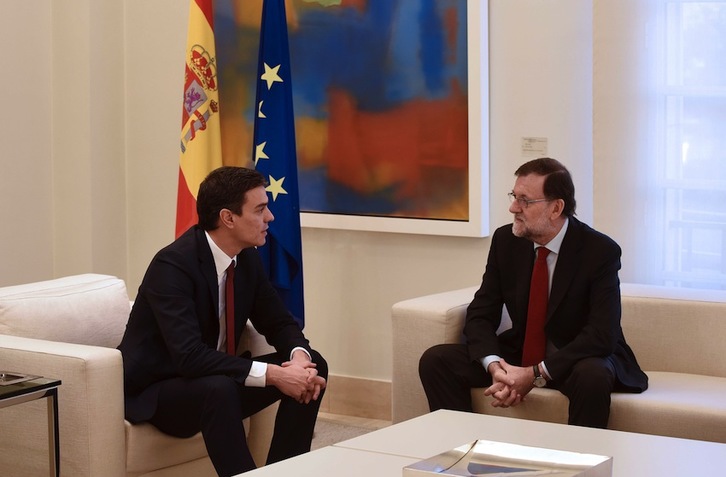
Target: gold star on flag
x,y
260,114
275,187
270,75
260,152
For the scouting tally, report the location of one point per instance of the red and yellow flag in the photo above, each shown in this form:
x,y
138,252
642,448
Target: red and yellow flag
x,y
201,150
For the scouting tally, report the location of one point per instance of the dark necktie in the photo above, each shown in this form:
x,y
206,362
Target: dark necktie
x,y
229,308
534,338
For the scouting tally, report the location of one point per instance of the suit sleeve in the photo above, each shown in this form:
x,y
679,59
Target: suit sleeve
x,y
589,324
484,313
267,312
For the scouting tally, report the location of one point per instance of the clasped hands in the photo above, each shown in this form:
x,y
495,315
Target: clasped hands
x,y
298,378
510,384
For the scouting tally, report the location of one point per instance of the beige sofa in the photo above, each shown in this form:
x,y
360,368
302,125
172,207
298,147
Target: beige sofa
x,y
677,335
68,328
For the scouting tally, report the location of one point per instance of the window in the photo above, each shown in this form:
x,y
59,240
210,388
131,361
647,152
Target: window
x,y
693,138
659,137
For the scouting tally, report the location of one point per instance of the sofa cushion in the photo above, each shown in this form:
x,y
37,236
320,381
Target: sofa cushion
x,y
681,405
687,406
87,309
656,320
147,448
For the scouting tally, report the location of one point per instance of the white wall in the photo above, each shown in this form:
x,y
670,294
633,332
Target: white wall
x,y
156,34
540,85
88,155
62,174
26,205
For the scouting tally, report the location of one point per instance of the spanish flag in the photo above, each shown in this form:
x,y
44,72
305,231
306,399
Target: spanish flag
x,y
201,150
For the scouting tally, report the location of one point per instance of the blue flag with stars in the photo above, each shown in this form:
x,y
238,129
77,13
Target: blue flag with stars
x,y
275,157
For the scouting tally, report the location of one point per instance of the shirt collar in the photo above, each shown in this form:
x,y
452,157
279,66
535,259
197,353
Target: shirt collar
x,y
221,259
555,244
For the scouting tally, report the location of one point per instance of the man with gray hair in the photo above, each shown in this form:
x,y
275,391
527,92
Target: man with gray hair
x,y
564,306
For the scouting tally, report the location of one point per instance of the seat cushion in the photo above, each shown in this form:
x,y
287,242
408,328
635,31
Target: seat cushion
x,y
681,405
86,309
148,449
687,406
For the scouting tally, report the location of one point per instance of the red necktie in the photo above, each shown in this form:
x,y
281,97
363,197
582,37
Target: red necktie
x,y
229,308
534,338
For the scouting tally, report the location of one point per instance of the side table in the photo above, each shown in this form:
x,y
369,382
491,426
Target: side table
x,y
14,390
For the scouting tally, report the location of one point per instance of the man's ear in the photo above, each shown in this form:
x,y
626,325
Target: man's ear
x,y
557,209
226,218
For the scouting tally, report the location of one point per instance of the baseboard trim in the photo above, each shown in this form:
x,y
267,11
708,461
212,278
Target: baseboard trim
x,y
359,397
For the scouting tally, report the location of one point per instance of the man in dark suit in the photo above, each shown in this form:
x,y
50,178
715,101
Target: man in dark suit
x,y
179,373
580,349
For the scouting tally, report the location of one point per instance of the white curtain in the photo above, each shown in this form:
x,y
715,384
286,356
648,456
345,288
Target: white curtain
x,y
659,137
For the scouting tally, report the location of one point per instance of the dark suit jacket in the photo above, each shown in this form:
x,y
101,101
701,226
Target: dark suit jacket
x,y
173,327
583,313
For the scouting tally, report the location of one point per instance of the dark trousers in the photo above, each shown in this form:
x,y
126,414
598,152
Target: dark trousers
x,y
448,374
216,406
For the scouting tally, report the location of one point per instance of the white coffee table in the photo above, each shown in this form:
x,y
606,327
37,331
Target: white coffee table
x,y
386,451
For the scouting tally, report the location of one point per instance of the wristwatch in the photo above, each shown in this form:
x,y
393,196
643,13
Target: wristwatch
x,y
539,380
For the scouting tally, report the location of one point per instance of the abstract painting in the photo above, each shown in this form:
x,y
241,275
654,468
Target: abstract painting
x,y
390,109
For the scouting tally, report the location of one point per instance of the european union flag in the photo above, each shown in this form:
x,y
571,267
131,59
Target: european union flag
x,y
275,157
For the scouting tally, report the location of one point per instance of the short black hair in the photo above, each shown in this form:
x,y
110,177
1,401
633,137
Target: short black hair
x,y
225,188
558,181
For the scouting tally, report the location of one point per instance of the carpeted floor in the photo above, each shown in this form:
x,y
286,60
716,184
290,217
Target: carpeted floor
x,y
331,430
329,433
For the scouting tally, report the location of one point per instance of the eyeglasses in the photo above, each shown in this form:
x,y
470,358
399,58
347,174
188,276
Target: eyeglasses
x,y
524,203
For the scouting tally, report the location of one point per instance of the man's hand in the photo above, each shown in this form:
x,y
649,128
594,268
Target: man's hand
x,y
315,383
297,378
510,384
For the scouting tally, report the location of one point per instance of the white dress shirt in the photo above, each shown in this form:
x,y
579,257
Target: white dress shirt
x,y
553,246
258,371
256,377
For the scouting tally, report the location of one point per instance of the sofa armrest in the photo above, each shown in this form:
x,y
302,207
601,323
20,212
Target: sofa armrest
x,y
90,404
254,342
418,324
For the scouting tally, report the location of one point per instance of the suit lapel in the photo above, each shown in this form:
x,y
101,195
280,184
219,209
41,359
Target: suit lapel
x,y
522,265
566,267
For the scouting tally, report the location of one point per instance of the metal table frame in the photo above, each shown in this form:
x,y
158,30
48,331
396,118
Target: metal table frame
x,y
30,391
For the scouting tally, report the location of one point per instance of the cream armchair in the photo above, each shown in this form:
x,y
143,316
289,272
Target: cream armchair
x,y
68,329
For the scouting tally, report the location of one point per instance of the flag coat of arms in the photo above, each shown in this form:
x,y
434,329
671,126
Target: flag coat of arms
x,y
201,150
